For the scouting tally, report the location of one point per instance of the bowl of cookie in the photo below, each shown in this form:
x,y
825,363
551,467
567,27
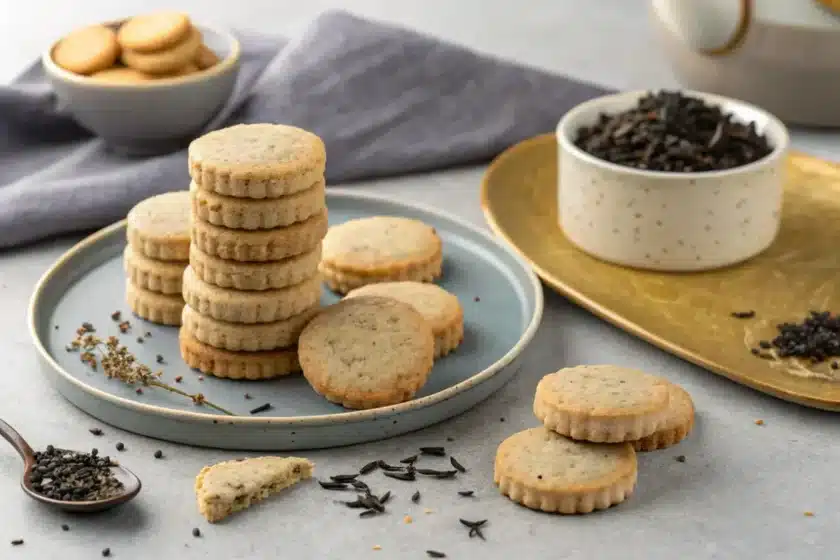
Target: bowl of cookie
x,y
145,84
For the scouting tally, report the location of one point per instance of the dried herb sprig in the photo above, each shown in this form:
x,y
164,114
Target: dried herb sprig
x,y
118,362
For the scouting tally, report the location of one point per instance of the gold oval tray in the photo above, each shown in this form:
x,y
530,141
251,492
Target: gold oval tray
x,y
689,314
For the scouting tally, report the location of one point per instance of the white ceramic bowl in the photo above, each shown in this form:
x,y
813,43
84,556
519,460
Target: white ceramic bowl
x,y
666,220
154,116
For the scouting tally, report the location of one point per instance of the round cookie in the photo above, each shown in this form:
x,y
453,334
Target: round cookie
x,y
380,249
166,61
252,337
121,75
253,214
87,50
257,160
367,352
255,276
235,306
164,309
546,471
441,309
205,58
602,403
159,227
163,277
154,32
260,245
237,365
180,73
678,422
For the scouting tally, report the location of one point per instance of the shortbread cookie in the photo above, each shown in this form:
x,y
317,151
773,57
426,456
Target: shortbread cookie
x,y
154,32
181,72
236,306
231,486
165,61
677,425
205,58
121,75
380,249
87,50
252,337
602,403
251,214
259,245
255,276
164,309
159,227
156,276
257,160
543,470
237,365
367,352
441,309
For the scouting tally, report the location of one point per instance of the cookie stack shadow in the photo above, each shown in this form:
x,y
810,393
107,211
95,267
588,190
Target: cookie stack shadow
x,y
252,283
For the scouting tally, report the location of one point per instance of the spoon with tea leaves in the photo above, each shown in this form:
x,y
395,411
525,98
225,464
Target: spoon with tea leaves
x,y
72,480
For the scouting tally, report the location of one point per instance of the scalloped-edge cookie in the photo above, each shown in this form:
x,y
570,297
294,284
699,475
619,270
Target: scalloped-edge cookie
x,y
678,422
252,337
232,486
227,364
546,471
441,309
159,227
367,352
236,306
257,160
164,277
164,309
255,276
380,249
254,214
260,245
602,403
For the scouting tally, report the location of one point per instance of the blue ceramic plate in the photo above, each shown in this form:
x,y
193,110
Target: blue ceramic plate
x,y
501,297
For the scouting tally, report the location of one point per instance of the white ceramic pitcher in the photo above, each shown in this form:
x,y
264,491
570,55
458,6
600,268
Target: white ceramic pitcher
x,y
783,55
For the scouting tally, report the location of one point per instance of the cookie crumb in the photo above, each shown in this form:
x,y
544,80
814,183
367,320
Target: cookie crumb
x,y
427,511
759,422
809,514
377,547
407,519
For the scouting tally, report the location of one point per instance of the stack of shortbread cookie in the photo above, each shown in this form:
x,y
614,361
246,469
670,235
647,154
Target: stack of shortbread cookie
x,y
594,419
158,231
258,218
163,43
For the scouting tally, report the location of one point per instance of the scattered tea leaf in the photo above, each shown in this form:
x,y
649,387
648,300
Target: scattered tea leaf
x,y
436,451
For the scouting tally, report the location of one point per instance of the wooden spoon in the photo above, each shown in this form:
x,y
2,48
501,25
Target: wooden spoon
x,y
131,484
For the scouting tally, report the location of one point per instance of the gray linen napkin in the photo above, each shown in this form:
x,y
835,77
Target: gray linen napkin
x,y
386,100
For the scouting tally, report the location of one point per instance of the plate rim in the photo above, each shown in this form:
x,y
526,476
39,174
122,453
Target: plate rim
x,y
804,399
344,417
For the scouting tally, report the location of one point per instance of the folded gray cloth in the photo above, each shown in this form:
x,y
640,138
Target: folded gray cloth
x,y
385,100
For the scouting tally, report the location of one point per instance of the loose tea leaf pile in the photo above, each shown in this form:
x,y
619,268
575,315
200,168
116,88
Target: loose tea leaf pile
x,y
815,338
73,476
670,131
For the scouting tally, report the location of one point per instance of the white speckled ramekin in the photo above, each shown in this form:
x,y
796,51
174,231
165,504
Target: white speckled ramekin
x,y
669,221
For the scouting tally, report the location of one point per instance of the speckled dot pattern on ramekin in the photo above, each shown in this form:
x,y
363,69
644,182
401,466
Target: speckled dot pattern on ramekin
x,y
668,221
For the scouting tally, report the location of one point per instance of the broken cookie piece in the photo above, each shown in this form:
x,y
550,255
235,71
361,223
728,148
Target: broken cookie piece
x,y
231,486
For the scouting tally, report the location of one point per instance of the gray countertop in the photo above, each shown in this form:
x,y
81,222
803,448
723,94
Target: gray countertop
x,y
741,492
